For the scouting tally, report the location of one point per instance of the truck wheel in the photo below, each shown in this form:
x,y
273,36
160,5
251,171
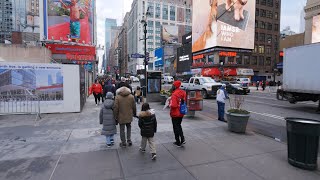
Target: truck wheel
x,y
204,94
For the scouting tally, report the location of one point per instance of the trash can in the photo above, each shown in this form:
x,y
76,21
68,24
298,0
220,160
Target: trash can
x,y
303,142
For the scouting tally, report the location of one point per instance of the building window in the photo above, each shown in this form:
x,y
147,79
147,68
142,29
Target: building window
x,y
269,38
263,13
211,58
188,15
269,26
254,60
172,13
246,60
268,61
165,12
257,1
188,29
276,27
255,49
158,11
257,24
262,37
277,3
262,25
276,15
269,14
268,49
261,60
263,2
239,59
261,49
256,36
257,12
270,3
151,9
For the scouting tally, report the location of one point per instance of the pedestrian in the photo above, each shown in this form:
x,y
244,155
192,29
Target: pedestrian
x,y
124,111
123,83
103,93
96,89
263,85
257,85
107,120
109,87
221,97
138,95
177,97
148,126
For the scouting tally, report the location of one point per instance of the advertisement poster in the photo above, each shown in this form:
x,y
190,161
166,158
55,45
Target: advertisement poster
x,y
170,34
70,19
223,23
316,29
55,86
184,58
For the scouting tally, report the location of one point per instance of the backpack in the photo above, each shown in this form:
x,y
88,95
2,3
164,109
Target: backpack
x,y
183,107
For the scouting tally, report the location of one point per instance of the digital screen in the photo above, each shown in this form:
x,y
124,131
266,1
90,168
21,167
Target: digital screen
x,y
316,29
223,23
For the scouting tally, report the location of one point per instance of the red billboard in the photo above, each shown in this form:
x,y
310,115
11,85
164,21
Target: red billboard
x,y
71,19
71,49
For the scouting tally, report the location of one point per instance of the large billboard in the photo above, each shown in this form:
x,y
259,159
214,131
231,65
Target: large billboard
x,y
170,34
184,58
56,86
316,29
71,19
223,23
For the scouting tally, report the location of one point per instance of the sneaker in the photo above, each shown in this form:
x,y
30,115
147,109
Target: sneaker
x,y
142,150
96,104
153,156
123,145
177,144
183,142
109,145
129,143
112,142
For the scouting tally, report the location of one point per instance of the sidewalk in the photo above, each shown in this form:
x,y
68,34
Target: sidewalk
x,y
69,146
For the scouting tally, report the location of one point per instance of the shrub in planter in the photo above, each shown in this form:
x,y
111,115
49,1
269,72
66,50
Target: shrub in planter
x,y
237,117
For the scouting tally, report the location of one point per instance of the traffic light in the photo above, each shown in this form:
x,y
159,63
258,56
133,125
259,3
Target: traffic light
x,y
147,57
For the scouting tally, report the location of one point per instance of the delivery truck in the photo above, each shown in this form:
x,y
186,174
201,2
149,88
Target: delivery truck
x,y
301,74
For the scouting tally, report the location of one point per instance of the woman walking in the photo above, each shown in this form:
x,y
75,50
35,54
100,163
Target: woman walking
x,y
96,89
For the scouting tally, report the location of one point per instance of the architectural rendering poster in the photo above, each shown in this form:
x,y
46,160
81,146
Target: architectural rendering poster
x,y
316,29
44,82
226,23
170,34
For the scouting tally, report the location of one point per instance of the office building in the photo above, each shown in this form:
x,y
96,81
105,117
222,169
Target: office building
x,y
6,20
109,38
123,48
165,12
312,10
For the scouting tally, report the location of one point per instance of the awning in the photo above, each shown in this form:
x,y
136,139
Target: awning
x,y
215,71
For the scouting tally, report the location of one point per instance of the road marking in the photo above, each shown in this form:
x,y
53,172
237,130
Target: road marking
x,y
268,115
308,103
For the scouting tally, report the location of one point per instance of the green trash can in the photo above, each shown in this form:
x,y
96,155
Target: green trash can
x,y
303,142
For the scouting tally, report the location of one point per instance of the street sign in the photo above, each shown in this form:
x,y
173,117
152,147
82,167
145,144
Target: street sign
x,y
137,55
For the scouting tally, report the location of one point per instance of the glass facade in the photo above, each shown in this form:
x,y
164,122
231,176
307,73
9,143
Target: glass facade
x,y
188,16
158,11
165,12
151,9
172,13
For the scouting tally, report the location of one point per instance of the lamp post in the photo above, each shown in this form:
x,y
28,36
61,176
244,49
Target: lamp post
x,y
144,22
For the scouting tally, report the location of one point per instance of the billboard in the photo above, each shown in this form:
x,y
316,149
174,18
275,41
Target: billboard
x,y
316,29
184,58
223,23
158,57
70,19
170,34
54,85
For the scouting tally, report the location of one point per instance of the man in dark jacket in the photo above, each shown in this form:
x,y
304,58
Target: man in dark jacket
x,y
148,126
177,96
123,83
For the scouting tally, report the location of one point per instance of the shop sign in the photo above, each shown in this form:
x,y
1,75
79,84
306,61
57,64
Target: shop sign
x,y
227,54
71,49
80,57
210,72
196,71
184,58
229,71
245,72
200,56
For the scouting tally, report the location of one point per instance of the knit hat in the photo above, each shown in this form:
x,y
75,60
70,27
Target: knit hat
x,y
109,95
177,84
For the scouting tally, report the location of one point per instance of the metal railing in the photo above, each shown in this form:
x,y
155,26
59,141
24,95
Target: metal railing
x,y
23,102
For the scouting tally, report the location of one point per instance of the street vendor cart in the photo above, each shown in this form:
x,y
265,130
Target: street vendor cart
x,y
194,101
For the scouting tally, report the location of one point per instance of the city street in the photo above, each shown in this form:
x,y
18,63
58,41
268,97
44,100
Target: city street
x,y
267,113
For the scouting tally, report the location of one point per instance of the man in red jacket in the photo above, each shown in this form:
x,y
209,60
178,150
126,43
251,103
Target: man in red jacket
x,y
176,116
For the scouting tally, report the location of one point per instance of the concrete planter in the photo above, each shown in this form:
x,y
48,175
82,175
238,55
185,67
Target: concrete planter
x,y
237,122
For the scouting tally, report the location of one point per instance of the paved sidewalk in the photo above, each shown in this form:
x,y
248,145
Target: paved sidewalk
x,y
69,146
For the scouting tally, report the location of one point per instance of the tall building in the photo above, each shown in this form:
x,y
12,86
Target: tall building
x,y
123,53
302,21
109,38
165,12
312,9
265,55
6,20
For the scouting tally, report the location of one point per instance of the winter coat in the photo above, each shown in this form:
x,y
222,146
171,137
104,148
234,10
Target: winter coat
x,y
96,88
124,84
147,123
109,88
176,97
124,106
107,118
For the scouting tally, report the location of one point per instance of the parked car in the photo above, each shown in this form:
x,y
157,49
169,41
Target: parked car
x,y
244,81
208,86
236,88
167,80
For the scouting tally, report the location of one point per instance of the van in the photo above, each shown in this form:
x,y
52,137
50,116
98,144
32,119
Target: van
x,y
167,79
244,81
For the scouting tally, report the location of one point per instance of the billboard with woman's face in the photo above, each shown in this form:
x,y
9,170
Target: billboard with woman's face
x,y
316,29
223,23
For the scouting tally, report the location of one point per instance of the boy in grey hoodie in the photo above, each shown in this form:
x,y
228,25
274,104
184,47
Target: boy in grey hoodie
x,y
107,119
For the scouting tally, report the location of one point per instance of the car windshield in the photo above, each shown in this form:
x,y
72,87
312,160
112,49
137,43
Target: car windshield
x,y
206,80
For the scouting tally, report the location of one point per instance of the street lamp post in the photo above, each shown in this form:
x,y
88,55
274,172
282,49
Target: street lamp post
x,y
144,22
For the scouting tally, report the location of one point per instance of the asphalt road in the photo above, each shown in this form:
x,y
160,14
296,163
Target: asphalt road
x,y
268,114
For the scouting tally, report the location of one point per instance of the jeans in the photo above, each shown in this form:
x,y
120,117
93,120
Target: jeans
x,y
221,111
123,134
109,139
152,145
177,129
96,97
138,99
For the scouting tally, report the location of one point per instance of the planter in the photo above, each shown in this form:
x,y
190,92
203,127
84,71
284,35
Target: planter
x,y
237,122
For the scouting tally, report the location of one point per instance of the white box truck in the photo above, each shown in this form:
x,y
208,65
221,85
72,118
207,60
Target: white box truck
x,y
301,74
